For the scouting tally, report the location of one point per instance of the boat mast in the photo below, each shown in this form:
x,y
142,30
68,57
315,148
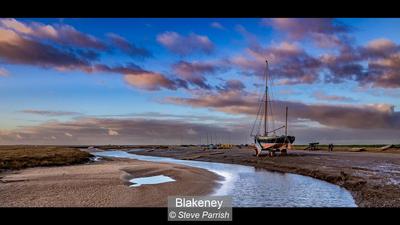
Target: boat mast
x,y
266,99
286,121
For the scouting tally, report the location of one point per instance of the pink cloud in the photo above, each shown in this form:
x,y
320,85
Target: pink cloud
x,y
375,116
149,81
195,72
23,43
288,63
112,132
137,77
233,85
17,49
49,112
89,131
379,48
3,72
217,25
320,95
60,33
92,130
382,56
323,32
381,44
127,47
185,45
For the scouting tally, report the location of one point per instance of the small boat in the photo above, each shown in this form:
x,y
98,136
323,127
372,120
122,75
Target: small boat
x,y
269,141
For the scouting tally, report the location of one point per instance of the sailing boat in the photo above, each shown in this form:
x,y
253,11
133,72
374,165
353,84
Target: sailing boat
x,y
268,140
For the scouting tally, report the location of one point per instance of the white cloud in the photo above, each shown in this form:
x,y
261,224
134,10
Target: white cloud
x,y
3,72
185,45
112,132
191,131
217,25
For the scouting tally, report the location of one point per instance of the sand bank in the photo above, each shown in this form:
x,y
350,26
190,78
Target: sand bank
x,y
102,184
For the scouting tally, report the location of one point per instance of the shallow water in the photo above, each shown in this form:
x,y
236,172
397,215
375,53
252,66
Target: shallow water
x,y
136,182
252,187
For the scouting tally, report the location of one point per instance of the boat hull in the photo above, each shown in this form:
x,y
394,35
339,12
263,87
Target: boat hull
x,y
272,143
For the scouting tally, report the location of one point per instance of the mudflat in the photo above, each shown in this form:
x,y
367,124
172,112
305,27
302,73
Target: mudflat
x,y
101,184
372,178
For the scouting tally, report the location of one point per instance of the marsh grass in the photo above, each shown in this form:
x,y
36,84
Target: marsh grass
x,y
20,157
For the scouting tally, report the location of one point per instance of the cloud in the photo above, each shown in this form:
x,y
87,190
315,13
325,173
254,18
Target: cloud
x,y
375,64
3,72
22,43
90,130
129,68
289,92
320,95
49,112
60,33
16,49
195,72
383,64
138,77
380,47
384,73
15,25
112,132
323,31
346,116
150,81
232,85
127,47
185,45
300,27
234,102
190,131
349,63
287,62
382,57
217,25
68,35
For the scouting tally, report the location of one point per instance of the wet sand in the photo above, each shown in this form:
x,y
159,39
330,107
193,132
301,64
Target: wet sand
x,y
101,184
372,178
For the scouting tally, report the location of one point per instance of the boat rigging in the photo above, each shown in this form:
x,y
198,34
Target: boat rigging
x,y
268,140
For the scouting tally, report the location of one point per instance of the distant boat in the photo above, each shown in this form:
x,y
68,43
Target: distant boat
x,y
268,140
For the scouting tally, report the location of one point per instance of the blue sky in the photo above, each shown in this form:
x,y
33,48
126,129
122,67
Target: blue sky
x,y
195,68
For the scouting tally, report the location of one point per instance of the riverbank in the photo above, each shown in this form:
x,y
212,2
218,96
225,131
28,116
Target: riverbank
x,y
101,184
372,178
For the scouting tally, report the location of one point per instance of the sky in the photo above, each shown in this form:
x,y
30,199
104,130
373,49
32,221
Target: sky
x,y
102,81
